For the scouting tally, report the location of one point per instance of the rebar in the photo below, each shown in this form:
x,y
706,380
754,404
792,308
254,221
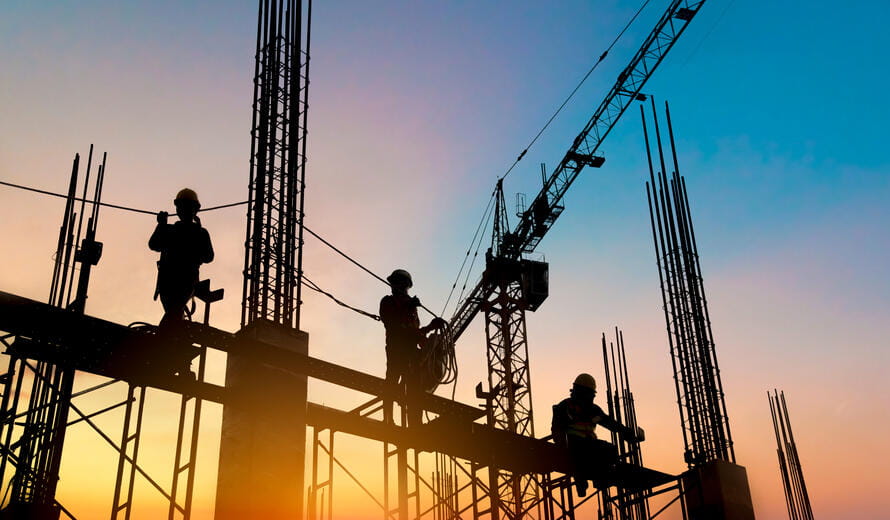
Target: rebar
x,y
700,397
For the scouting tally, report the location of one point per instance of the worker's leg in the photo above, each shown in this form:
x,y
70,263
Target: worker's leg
x,y
413,389
605,454
175,292
171,331
602,456
580,459
174,310
395,370
395,364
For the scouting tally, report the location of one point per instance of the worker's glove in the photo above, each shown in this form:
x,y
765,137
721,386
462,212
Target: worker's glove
x,y
414,301
162,217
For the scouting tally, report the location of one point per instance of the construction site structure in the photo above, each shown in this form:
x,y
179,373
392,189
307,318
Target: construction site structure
x,y
492,469
512,284
797,500
714,486
262,450
629,504
49,388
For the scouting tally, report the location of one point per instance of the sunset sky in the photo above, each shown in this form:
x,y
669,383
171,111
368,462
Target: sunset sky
x,y
416,108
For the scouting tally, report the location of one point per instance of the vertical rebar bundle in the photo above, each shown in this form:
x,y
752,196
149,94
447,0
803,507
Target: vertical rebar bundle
x,y
796,497
631,505
706,433
39,448
273,253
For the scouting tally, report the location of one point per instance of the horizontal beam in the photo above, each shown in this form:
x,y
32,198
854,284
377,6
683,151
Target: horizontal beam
x,y
478,443
46,333
102,347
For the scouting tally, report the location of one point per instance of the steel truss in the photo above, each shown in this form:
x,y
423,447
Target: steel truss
x,y
509,396
14,436
455,488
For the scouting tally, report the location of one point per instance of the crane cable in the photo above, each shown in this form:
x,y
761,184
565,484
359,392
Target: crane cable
x,y
575,90
460,271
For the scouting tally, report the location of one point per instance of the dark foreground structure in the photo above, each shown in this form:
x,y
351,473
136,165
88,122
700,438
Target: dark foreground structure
x,y
488,461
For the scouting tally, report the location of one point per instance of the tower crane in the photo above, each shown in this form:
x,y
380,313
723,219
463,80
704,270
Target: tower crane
x,y
511,284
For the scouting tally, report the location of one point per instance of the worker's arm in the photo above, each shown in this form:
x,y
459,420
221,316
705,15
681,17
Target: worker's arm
x,y
626,433
158,239
558,426
207,256
437,323
387,312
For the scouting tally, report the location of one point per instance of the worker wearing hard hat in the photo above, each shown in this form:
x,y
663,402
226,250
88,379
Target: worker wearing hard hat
x,y
398,312
184,246
574,426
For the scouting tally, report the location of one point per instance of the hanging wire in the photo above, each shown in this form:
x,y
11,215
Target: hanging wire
x,y
312,285
463,289
482,223
108,204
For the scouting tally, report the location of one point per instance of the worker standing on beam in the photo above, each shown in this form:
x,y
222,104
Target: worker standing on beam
x,y
404,335
574,426
184,246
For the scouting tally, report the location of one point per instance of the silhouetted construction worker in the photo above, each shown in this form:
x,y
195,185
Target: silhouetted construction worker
x,y
184,246
398,312
404,336
574,426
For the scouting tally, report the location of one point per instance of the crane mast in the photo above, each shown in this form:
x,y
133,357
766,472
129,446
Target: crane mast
x,y
512,285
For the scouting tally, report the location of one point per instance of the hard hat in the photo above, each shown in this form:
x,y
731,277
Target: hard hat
x,y
400,275
586,380
187,194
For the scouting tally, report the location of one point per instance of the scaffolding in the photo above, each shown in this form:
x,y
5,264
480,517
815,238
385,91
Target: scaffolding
x,y
487,462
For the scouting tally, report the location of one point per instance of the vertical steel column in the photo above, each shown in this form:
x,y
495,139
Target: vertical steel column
x,y
272,269
37,463
403,456
272,276
187,467
129,444
509,385
317,487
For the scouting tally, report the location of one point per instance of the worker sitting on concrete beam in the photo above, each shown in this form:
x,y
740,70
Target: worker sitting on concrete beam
x,y
574,423
184,246
398,312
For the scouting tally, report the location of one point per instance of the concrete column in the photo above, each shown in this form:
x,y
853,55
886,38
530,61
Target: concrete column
x,y
262,450
717,490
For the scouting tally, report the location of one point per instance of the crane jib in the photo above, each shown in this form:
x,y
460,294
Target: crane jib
x,y
545,208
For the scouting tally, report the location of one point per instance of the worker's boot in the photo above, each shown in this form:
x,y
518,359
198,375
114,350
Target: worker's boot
x,y
581,486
